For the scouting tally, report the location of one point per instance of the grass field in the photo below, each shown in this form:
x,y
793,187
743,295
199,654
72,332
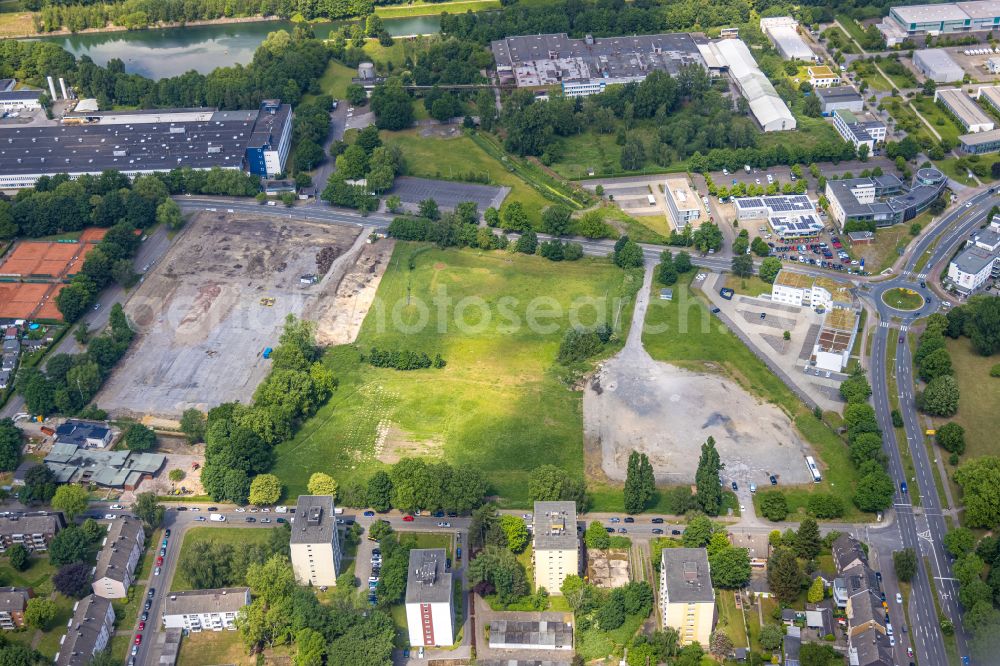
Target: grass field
x,y
36,576
690,344
432,157
435,8
214,648
15,24
335,79
751,286
499,405
903,299
888,242
852,28
940,119
231,535
980,395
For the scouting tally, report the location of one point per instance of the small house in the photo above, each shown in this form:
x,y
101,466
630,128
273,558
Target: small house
x,y
666,294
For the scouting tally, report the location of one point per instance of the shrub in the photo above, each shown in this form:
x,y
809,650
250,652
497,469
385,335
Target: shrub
x,y
773,505
402,359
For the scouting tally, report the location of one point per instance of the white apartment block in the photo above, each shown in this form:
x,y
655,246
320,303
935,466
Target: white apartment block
x,y
556,544
120,553
683,204
430,611
979,261
315,546
204,610
808,291
687,600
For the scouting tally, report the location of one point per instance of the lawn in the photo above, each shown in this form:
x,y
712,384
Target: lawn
x,y
959,167
16,24
731,618
751,286
231,535
454,158
903,299
36,576
49,643
500,404
977,408
594,644
871,75
427,540
336,78
938,117
695,337
645,229
855,30
889,242
435,8
212,648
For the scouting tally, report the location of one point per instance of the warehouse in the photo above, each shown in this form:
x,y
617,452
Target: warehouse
x,y
20,100
767,107
783,33
965,111
837,98
939,19
937,65
148,141
990,95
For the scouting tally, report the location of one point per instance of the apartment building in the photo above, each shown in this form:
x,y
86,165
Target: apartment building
x,y
88,632
13,601
556,544
430,612
683,204
205,610
315,545
687,599
858,132
979,261
32,530
120,553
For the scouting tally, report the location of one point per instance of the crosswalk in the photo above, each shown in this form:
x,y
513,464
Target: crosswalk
x,y
886,324
920,276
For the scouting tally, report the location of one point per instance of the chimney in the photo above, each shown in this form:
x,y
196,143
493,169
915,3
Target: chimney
x,y
52,88
62,86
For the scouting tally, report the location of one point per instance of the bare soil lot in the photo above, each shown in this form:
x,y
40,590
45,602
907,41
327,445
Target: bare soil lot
x,y
202,323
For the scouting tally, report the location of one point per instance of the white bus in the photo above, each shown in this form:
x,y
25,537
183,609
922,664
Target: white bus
x,y
813,469
651,199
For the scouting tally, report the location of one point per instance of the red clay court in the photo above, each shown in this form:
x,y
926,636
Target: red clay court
x,y
19,300
93,234
45,260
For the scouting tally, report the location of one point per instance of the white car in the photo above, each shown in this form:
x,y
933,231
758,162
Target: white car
x,y
240,509
968,204
117,507
899,598
265,520
444,524
109,516
156,571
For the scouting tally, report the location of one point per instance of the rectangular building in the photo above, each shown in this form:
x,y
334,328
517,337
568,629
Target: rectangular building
x,y
835,339
964,110
767,107
978,262
808,291
790,216
858,132
20,100
88,632
882,200
120,553
34,531
980,143
940,19
821,76
683,204
937,65
13,601
541,635
83,433
990,95
271,139
204,610
784,34
687,599
556,544
430,613
839,97
315,545
120,468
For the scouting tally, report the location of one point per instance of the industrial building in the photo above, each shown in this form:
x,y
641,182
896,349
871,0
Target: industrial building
x,y
790,216
767,107
122,469
687,599
89,631
586,66
883,200
556,544
784,34
204,610
978,262
937,65
149,141
683,204
837,98
939,19
821,76
858,132
20,100
980,143
315,545
430,613
964,110
990,95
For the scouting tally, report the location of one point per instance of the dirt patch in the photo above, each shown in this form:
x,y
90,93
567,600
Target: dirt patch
x,y
441,131
393,444
608,568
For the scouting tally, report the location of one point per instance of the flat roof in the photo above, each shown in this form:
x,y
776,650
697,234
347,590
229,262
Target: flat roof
x,y
428,580
930,13
555,526
787,278
973,260
315,521
679,189
977,138
980,8
687,575
820,71
839,94
962,106
543,633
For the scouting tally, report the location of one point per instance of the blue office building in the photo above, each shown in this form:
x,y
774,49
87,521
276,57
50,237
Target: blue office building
x,y
270,140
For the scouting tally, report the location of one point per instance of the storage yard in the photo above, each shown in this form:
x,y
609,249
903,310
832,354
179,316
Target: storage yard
x,y
208,310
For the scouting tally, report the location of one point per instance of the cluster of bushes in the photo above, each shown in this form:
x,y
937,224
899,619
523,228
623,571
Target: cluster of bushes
x,y
366,158
310,128
414,485
216,564
70,381
606,610
556,250
670,267
10,445
447,231
933,365
402,359
978,320
580,343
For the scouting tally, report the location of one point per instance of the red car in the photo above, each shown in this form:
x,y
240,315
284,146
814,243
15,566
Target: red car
x,y
142,626
159,561
408,519
138,639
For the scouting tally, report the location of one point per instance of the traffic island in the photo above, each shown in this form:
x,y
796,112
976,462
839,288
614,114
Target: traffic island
x,y
906,300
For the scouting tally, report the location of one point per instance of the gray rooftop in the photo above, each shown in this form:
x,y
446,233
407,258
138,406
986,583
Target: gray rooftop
x,y
19,95
315,521
427,581
33,523
545,634
872,649
123,536
195,602
847,551
930,13
73,431
555,526
838,94
115,469
687,574
979,138
77,648
866,608
13,599
973,259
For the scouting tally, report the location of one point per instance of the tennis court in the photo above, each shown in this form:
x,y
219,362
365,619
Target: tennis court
x,y
18,300
44,260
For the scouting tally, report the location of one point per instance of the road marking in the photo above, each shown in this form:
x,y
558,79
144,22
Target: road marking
x,y
884,324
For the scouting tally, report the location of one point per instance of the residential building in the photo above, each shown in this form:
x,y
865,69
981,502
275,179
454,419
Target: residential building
x,y
687,599
204,610
969,114
32,530
870,648
315,545
939,19
847,552
6,85
979,261
937,65
767,107
757,545
83,433
882,200
858,132
20,100
683,204
13,601
821,76
430,612
835,339
541,635
791,645
807,291
839,98
120,468
784,34
88,632
556,544
120,553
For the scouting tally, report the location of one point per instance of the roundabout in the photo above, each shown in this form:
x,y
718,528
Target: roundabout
x,y
903,299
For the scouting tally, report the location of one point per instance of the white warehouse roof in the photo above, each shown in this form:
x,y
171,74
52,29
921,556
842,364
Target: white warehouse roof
x,y
767,107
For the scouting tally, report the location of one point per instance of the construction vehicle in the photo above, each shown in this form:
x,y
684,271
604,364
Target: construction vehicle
x,y
267,301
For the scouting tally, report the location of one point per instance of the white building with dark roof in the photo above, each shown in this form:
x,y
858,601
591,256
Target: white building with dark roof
x,y
119,556
20,100
556,550
430,612
683,204
839,98
858,132
204,610
687,599
315,545
89,631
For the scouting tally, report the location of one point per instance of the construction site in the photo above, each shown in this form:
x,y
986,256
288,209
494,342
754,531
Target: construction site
x,y
209,311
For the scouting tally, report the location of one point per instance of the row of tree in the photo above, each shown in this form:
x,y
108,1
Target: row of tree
x,y
875,488
933,365
977,568
413,484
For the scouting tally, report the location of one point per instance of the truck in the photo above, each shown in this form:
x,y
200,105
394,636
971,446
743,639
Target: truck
x,y
217,518
267,352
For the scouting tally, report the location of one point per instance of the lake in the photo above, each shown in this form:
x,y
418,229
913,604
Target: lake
x,y
171,51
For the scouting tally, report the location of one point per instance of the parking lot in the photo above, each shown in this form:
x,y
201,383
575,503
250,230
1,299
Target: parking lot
x,y
446,193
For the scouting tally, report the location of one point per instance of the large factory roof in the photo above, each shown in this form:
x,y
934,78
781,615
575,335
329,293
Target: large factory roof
x,y
767,107
931,13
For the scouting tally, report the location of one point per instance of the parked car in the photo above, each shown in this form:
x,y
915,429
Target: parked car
x,y
281,520
138,639
609,530
753,487
735,487
142,626
444,524
156,571
629,519
117,507
615,519
166,533
657,521
622,530
899,598
408,519
250,519
265,520
774,480
152,591
675,532
369,514
657,530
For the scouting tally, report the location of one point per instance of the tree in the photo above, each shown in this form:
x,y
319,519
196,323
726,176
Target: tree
x,y
905,563
611,614
193,425
321,483
556,220
379,491
139,438
808,542
980,483
40,612
940,398
774,505
549,483
709,490
666,272
759,247
429,208
73,580
18,557
960,541
596,536
169,214
148,510
10,445
935,364
392,105
69,545
875,490
499,568
818,654
825,506
527,242
639,483
742,265
771,636
71,500
176,475
769,269
856,389
356,94
265,489
682,263
516,531
629,255
784,576
816,591
951,437
514,218
730,567
39,485
698,532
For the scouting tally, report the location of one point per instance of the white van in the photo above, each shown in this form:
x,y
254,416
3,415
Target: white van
x,y
217,518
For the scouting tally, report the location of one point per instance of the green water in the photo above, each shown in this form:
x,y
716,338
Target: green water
x,y
168,52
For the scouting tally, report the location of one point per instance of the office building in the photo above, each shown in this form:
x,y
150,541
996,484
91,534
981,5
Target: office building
x,y
120,553
839,98
809,291
83,433
858,132
683,204
34,531
939,19
20,100
586,66
204,610
767,107
964,110
978,262
835,339
88,632
147,141
430,613
315,544
783,31
821,76
882,200
527,635
790,216
13,601
980,143
937,65
687,600
990,95
556,544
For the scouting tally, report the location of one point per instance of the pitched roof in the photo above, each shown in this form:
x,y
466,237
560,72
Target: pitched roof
x,y
89,618
192,602
124,535
847,552
542,634
13,599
